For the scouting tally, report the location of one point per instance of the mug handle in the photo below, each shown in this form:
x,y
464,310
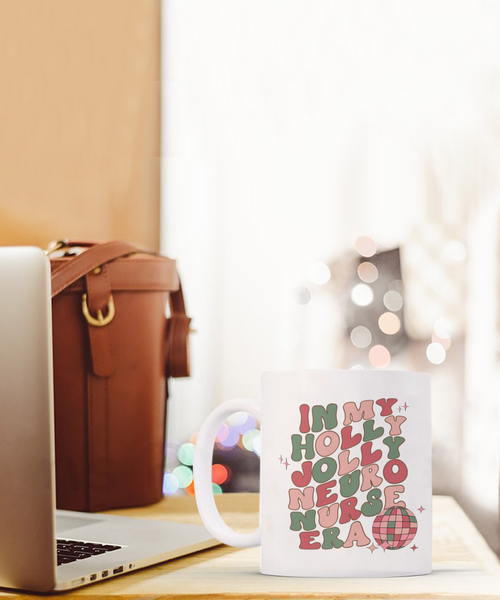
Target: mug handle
x,y
202,468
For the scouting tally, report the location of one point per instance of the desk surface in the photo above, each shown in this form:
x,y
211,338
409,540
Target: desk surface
x,y
464,567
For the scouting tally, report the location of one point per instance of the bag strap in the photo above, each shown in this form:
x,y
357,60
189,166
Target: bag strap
x,y
177,361
178,330
88,260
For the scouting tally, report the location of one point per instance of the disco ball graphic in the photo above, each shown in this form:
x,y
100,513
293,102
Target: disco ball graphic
x,y
396,527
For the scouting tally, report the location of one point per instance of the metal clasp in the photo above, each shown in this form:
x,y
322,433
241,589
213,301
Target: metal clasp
x,y
101,320
55,246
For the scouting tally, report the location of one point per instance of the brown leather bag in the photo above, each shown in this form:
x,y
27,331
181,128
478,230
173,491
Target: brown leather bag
x,y
114,349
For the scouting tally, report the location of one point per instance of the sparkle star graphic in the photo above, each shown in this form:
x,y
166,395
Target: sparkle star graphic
x,y
286,463
280,459
384,546
421,509
405,406
400,408
414,547
372,548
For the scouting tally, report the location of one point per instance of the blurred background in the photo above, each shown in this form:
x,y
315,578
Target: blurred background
x,y
327,175
331,187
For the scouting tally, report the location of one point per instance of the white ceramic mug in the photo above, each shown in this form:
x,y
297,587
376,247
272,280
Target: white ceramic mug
x,y
345,474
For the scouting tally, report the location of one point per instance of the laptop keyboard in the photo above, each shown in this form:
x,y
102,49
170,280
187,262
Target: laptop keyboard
x,y
70,550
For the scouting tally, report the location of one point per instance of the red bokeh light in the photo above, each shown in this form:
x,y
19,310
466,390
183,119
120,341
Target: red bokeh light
x,y
219,474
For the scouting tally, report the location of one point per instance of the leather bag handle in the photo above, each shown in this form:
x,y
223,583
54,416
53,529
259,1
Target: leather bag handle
x,y
177,362
88,260
178,336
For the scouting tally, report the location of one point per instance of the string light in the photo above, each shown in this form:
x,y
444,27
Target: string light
x,y
231,439
238,418
240,429
445,342
367,272
319,273
379,356
257,445
365,246
436,354
222,433
389,323
443,328
220,474
185,453
249,438
248,424
362,294
393,300
170,483
184,475
361,336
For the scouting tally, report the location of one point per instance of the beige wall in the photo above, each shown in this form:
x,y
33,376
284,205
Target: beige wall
x,y
79,120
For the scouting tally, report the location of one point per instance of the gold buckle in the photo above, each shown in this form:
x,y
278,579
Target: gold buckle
x,y
101,320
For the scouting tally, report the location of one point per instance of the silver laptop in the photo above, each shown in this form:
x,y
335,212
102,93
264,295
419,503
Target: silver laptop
x,y
43,549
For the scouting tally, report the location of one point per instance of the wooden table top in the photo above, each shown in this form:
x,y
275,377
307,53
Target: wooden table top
x,y
464,567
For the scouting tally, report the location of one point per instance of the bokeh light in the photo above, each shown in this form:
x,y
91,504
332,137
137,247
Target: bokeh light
x,y
379,356
222,433
367,272
389,323
443,328
170,483
184,476
445,342
301,294
361,337
435,353
220,474
365,246
240,429
358,368
230,440
185,453
249,439
319,273
362,294
237,418
247,425
393,300
257,445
